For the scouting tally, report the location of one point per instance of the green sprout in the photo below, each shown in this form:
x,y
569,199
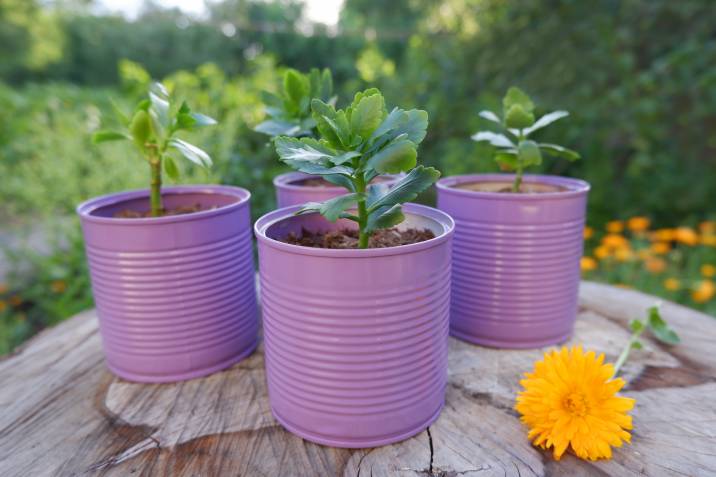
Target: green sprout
x,y
290,112
356,145
152,128
515,152
659,328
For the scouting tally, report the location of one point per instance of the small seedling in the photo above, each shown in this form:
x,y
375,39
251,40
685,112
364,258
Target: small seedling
x,y
515,151
356,145
153,128
659,328
290,112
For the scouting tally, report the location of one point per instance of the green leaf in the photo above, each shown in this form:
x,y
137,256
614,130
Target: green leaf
x,y
529,153
140,128
332,126
106,136
636,345
295,86
191,152
385,217
304,149
367,115
559,151
203,120
398,156
170,167
546,120
519,118
637,326
159,109
274,127
407,189
184,121
363,94
515,96
660,328
326,85
490,116
333,208
496,139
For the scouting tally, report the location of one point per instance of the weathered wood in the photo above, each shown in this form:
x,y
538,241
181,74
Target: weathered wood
x,y
63,413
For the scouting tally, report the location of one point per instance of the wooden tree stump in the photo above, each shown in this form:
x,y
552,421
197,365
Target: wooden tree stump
x,y
63,413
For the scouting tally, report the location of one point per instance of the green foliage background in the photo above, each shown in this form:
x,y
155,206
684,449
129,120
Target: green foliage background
x,y
638,76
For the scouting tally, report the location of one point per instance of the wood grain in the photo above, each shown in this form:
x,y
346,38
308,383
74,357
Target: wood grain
x,y
62,413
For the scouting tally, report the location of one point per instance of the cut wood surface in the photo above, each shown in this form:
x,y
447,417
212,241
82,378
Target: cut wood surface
x,y
63,413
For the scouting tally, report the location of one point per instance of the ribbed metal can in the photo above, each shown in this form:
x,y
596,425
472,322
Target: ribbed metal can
x,y
515,260
175,295
289,190
355,340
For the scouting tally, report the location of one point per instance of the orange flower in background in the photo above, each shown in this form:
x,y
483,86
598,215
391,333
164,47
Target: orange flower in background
x,y
644,254
638,224
708,270
615,241
58,286
663,235
623,254
3,306
601,252
708,227
624,286
709,240
660,248
704,292
588,264
672,284
588,233
655,265
686,235
15,300
615,226
570,400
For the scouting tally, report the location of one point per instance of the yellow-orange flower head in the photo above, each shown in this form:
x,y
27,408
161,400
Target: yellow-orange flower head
x,y
570,399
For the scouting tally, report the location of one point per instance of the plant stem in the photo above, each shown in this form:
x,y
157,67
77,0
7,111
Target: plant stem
x,y
155,187
363,235
518,179
625,352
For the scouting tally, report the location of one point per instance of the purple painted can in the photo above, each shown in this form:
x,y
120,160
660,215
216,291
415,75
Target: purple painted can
x,y
515,260
175,295
290,192
356,340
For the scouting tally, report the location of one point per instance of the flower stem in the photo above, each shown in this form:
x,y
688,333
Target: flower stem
x,y
627,349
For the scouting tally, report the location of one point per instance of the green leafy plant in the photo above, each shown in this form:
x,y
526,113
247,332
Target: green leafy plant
x,y
659,328
290,112
515,151
356,145
153,128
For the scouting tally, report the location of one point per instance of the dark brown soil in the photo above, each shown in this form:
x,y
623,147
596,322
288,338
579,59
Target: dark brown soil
x,y
526,188
347,238
188,209
321,182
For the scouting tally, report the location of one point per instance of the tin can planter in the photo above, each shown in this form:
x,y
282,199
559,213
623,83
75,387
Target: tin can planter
x,y
515,259
355,340
292,189
175,295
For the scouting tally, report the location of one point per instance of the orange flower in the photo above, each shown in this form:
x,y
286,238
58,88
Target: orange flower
x,y
15,300
686,235
623,254
655,265
601,252
704,292
708,227
672,284
638,224
588,264
660,248
623,285
663,235
615,241
58,286
615,226
644,254
709,240
588,233
708,270
3,306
